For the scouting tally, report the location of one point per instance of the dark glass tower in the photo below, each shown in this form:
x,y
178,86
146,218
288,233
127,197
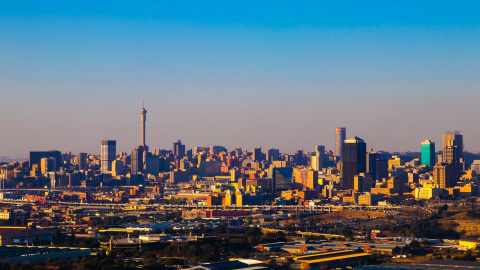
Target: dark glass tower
x,y
354,160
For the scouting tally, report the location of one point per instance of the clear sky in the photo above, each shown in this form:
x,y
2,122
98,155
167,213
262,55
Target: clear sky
x,y
237,73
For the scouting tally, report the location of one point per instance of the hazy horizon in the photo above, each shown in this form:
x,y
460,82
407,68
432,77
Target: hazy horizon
x,y
271,74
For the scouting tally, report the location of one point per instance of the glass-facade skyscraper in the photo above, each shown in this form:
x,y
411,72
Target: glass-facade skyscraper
x,y
452,148
354,160
340,136
107,155
427,157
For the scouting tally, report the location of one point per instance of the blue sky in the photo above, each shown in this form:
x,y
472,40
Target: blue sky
x,y
237,73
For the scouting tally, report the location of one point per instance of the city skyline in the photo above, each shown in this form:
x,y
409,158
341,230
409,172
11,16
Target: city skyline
x,y
281,75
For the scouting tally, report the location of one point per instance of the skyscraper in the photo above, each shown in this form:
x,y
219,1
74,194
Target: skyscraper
x,y
107,155
81,160
354,160
257,154
371,166
137,160
427,157
273,154
444,175
36,156
282,178
340,136
178,149
48,164
318,158
452,147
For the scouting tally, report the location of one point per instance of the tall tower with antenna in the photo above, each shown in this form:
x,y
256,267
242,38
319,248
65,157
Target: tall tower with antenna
x,y
143,117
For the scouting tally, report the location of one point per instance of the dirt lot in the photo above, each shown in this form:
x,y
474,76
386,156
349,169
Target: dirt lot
x,y
413,212
347,215
463,224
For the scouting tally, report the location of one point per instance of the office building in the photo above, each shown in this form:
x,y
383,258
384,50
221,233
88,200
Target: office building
x,y
445,175
382,169
235,174
340,136
152,165
452,147
450,153
371,165
282,178
316,162
137,159
476,166
306,178
273,155
118,168
48,165
178,149
74,179
354,160
257,154
210,168
427,157
107,155
318,158
36,156
363,182
81,160
216,149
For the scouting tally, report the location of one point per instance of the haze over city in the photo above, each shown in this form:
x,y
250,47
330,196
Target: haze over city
x,y
278,75
226,135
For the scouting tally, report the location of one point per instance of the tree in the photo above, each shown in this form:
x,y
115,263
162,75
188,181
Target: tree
x,y
174,261
414,244
347,232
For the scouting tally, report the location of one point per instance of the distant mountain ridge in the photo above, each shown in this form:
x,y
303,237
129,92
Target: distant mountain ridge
x,y
12,159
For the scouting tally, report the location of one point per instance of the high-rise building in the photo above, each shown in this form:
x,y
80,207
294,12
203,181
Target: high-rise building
x,y
216,149
257,154
476,166
36,156
178,149
450,154
273,154
298,158
320,149
452,141
152,165
371,166
354,160
427,157
306,178
48,164
81,161
282,178
363,182
107,155
318,158
340,136
118,168
382,169
444,175
138,159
